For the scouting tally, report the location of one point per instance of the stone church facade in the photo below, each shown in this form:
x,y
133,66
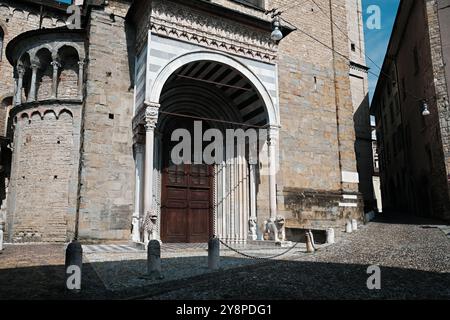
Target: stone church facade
x,y
88,116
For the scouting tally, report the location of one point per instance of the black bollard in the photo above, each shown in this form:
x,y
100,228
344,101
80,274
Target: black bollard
x,y
1,237
309,246
154,260
73,266
214,254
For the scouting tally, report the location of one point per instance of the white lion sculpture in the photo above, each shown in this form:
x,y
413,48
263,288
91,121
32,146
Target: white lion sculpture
x,y
252,225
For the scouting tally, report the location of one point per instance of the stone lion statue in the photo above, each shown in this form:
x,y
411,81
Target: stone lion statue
x,y
148,227
271,230
252,224
275,229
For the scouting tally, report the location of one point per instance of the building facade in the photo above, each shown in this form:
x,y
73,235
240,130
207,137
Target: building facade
x,y
411,109
93,112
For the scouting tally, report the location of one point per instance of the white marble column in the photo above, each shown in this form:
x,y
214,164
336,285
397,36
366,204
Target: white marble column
x,y
272,146
224,199
15,92
253,234
139,151
151,119
32,93
56,66
20,73
80,78
252,176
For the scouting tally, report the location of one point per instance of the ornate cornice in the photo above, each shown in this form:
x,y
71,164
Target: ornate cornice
x,y
359,67
183,23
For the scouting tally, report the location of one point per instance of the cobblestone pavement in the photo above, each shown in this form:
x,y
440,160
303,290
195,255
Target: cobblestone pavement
x,y
414,257
414,261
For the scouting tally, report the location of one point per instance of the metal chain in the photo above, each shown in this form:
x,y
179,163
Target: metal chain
x,y
259,258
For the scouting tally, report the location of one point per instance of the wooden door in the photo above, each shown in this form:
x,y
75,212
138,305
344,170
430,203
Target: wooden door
x,y
186,208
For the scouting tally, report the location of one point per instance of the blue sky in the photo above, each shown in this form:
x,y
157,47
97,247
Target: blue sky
x,y
378,40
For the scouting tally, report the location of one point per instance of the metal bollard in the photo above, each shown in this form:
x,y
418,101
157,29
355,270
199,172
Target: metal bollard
x,y
1,237
349,227
214,254
311,237
309,246
330,236
354,225
73,266
154,259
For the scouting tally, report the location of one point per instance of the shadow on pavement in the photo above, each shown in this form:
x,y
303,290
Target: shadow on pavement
x,y
274,280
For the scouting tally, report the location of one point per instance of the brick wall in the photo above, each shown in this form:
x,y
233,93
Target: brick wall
x,y
45,161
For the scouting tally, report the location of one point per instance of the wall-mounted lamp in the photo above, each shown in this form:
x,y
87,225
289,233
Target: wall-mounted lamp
x,y
425,110
276,35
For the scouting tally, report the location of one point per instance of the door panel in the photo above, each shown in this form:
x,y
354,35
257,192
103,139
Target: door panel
x,y
187,204
199,225
175,219
186,195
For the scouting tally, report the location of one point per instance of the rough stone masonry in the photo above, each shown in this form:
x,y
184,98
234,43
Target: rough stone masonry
x,y
76,167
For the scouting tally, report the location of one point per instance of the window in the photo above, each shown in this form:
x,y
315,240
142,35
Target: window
x,y
2,36
253,3
353,47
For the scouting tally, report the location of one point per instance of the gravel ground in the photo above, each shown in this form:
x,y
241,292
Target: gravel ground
x,y
414,261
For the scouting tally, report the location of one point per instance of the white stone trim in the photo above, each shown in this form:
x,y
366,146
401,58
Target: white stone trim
x,y
348,205
157,85
350,177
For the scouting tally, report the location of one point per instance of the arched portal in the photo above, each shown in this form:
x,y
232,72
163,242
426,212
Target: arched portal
x,y
194,201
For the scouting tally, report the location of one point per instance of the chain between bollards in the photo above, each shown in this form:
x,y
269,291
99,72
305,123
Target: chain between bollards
x,y
255,257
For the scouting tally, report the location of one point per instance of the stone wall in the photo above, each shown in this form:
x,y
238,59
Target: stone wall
x,y
45,161
441,152
444,23
359,85
17,17
414,147
317,136
107,176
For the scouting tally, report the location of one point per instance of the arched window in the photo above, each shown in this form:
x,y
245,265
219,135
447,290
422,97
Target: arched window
x,y
68,72
2,37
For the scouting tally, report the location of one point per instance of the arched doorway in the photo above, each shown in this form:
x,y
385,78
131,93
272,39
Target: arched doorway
x,y
200,200
223,95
